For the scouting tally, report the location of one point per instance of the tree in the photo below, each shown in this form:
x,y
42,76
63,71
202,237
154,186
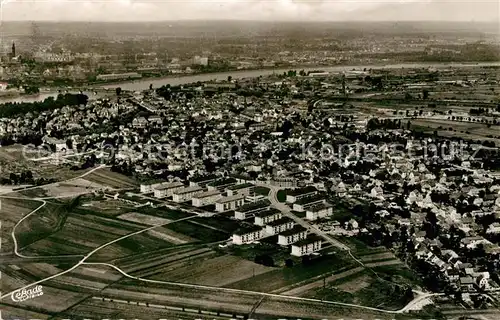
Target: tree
x,y
150,86
118,91
229,78
425,94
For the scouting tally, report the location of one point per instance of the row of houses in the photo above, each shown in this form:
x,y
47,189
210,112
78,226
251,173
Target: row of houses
x,y
296,237
226,194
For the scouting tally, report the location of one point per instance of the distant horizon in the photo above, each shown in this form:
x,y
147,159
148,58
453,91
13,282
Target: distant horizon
x,y
251,10
256,20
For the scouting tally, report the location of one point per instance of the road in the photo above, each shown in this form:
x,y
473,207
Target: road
x,y
13,233
287,212
215,290
262,295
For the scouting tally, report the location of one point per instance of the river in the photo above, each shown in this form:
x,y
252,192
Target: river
x,y
139,85
143,84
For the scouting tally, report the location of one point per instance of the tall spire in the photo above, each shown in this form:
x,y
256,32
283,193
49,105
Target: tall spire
x,y
13,50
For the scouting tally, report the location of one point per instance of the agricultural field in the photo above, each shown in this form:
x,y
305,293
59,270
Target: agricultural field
x,y
111,179
217,271
54,230
364,288
106,207
11,211
468,130
142,218
285,278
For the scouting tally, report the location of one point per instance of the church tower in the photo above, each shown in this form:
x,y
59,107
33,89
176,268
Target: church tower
x,y
13,53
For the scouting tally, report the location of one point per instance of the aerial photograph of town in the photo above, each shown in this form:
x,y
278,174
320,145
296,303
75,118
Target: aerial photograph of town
x,y
244,159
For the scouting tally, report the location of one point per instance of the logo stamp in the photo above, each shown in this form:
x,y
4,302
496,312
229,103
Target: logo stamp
x,y
26,294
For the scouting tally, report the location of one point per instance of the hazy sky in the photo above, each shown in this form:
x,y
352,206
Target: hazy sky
x,y
154,10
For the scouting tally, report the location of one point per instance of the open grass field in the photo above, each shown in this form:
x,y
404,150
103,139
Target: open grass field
x,y
142,218
107,207
111,179
362,286
198,231
11,211
77,233
288,277
141,261
469,130
217,271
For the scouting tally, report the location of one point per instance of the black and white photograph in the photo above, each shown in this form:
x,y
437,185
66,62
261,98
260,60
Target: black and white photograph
x,y
249,159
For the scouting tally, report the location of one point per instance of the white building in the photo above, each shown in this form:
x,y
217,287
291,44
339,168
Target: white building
x,y
305,203
206,198
264,217
306,246
297,194
293,235
3,86
248,235
251,209
201,181
494,228
186,194
229,203
221,184
245,189
319,211
279,225
167,189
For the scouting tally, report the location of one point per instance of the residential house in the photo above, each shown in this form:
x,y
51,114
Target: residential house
x,y
264,217
229,203
206,198
319,211
251,209
293,235
467,284
494,228
473,242
221,184
139,123
245,189
201,181
305,203
310,244
294,195
279,225
186,194
248,235
167,189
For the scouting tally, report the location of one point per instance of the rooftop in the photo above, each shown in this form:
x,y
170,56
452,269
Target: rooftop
x,y
280,222
207,194
222,182
296,229
169,185
203,178
246,230
312,199
310,239
241,186
188,190
267,213
254,205
230,199
319,207
300,191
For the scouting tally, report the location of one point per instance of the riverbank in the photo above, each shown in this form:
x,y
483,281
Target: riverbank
x,y
143,83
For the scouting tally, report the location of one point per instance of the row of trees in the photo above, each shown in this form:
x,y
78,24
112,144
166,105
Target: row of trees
x,y
68,99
